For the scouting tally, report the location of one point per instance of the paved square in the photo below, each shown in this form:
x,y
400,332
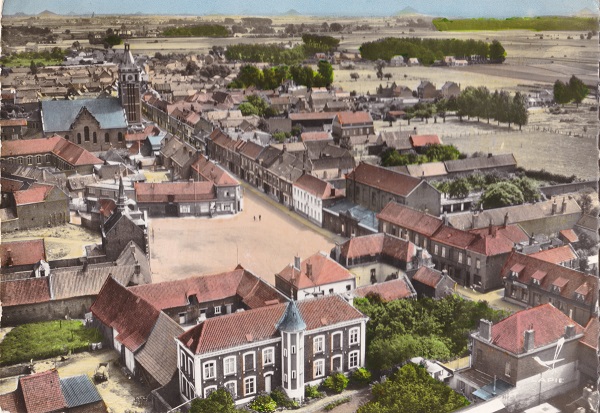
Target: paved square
x,y
183,247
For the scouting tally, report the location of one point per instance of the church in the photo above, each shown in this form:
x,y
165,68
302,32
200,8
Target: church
x,y
98,124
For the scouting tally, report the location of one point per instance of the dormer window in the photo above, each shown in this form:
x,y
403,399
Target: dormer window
x,y
579,297
556,289
536,282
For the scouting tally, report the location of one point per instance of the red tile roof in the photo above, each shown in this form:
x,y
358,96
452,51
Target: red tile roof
x,y
409,218
250,150
428,276
535,268
64,149
425,140
25,291
42,392
12,402
591,334
140,136
389,290
34,194
569,235
511,232
106,207
547,322
237,329
212,172
12,122
352,118
384,179
10,185
323,270
455,237
131,316
372,245
556,255
312,116
251,289
315,186
315,136
179,191
22,252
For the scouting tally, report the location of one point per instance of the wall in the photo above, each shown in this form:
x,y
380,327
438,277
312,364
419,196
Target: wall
x,y
553,190
87,120
52,310
326,289
48,213
10,225
425,198
363,272
552,224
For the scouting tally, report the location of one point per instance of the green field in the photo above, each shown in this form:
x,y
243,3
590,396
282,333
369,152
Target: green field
x,y
46,58
203,30
27,62
44,340
520,23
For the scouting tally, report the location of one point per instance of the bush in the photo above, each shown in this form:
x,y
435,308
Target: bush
x,y
281,398
336,403
361,376
312,392
264,404
336,382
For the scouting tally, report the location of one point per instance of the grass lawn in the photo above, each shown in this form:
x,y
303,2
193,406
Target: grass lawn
x,y
43,340
22,62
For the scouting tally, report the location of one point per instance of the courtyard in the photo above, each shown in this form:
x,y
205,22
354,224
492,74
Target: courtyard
x,y
263,238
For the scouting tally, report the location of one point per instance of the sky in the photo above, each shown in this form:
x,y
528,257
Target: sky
x,y
442,8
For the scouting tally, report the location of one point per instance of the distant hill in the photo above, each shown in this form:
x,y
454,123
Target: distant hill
x,y
586,13
292,12
405,11
47,13
20,14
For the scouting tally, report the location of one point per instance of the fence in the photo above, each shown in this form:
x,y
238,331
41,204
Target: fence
x,y
560,189
524,129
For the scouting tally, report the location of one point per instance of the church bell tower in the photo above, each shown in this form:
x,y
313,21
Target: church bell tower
x,y
129,88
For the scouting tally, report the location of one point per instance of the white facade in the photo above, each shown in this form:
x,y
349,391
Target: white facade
x,y
339,287
308,204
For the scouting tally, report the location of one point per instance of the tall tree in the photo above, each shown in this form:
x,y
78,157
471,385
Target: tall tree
x,y
562,93
519,112
325,71
578,89
497,52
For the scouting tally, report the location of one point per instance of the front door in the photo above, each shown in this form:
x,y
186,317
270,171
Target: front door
x,y
268,384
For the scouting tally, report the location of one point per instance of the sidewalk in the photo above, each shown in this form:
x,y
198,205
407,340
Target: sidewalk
x,y
494,298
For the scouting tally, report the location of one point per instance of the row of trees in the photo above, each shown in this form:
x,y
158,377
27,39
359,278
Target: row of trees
x,y
203,30
430,50
273,77
572,91
433,153
314,43
401,329
269,53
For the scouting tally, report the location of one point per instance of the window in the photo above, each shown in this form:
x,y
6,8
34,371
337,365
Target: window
x,y
435,250
79,138
460,258
353,335
293,374
468,261
353,359
285,352
417,239
249,363
120,137
268,356
38,159
336,341
444,252
229,366
106,138
185,209
319,368
29,160
231,387
20,160
477,263
293,349
208,390
95,137
86,133
67,137
249,386
47,158
217,309
331,291
209,370
318,344
507,369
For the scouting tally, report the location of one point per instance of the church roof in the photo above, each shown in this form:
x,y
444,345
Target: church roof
x,y
59,115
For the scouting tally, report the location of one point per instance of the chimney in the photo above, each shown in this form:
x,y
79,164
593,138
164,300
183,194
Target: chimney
x,y
9,259
338,252
528,342
490,227
419,253
297,263
489,155
309,270
563,207
445,218
485,329
532,239
570,331
415,130
505,220
554,207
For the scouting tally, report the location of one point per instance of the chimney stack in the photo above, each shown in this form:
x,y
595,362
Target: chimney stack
x,y
490,228
9,259
297,263
570,331
532,239
338,252
563,207
505,220
309,270
485,329
529,342
554,207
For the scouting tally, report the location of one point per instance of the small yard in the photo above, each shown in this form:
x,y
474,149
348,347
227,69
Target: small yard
x,y
43,340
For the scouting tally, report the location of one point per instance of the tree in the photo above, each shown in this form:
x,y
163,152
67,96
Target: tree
x,y
379,65
335,27
577,90
191,68
519,113
218,401
325,71
586,203
354,76
263,403
33,68
529,189
459,188
337,382
497,52
500,195
387,76
562,93
248,109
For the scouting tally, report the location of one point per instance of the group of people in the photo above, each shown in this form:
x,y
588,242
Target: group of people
x,y
259,217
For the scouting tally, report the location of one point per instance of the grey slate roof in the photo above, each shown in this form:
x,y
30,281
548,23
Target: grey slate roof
x,y
159,355
292,319
79,391
58,115
471,164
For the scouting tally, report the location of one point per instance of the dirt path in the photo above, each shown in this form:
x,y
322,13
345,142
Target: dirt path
x,y
357,399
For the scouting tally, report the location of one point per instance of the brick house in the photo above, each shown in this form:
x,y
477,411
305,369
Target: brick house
x,y
374,186
46,392
316,275
529,281
564,255
426,90
533,354
347,124
310,195
54,151
432,283
226,185
449,89
20,254
397,289
13,129
94,124
41,205
288,345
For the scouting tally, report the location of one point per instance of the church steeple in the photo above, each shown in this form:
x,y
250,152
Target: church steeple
x,y
129,87
292,327
121,199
